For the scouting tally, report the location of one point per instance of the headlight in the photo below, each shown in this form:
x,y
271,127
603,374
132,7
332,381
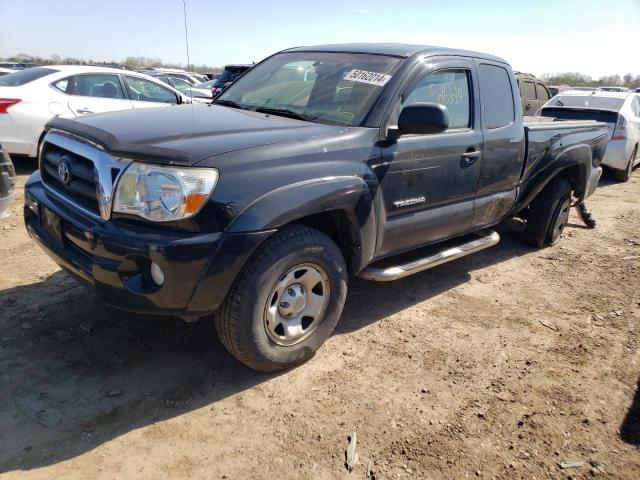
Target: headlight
x,y
163,194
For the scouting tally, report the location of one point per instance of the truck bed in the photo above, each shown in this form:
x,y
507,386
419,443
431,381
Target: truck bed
x,y
553,144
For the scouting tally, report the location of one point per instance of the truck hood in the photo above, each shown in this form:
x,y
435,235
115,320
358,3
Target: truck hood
x,y
187,134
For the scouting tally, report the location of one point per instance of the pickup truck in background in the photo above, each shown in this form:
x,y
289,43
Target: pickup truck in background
x,y
319,163
533,93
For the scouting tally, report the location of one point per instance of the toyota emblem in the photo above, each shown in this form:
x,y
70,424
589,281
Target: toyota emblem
x,y
64,174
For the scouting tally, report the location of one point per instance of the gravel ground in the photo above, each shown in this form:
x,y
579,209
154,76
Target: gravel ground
x,y
505,364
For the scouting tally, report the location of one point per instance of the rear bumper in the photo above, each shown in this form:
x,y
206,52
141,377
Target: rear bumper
x,y
18,139
593,180
113,258
617,154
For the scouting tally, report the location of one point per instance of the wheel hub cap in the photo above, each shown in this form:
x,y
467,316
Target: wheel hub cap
x,y
293,301
297,304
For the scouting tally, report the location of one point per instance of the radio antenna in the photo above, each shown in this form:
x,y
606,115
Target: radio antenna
x,y
186,41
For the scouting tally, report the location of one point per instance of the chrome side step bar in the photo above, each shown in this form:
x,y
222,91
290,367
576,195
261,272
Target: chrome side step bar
x,y
488,238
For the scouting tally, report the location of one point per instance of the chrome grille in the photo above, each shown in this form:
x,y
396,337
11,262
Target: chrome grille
x,y
88,176
81,186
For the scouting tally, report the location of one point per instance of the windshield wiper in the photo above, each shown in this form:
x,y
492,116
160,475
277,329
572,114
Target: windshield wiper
x,y
285,112
229,103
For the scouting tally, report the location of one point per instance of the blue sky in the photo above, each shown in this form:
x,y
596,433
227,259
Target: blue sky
x,y
596,37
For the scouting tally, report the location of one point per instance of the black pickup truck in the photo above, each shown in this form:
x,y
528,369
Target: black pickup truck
x,y
318,164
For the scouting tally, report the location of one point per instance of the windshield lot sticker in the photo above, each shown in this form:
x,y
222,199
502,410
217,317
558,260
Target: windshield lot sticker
x,y
372,78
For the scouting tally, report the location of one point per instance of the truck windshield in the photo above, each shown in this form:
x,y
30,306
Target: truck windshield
x,y
333,88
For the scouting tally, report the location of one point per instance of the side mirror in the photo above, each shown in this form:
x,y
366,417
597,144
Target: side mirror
x,y
422,118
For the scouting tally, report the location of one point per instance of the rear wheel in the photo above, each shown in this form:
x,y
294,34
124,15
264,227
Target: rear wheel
x,y
548,214
286,302
624,175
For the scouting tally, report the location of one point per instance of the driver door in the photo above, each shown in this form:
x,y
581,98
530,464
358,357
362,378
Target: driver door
x,y
428,181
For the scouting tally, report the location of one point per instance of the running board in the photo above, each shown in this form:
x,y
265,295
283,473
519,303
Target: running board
x,y
488,238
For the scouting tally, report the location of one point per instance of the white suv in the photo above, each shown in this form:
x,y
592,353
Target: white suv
x,y
30,98
619,110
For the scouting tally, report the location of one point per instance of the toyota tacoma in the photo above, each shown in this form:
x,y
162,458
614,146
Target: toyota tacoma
x,y
318,164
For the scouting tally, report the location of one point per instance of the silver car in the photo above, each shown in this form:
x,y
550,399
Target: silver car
x,y
619,110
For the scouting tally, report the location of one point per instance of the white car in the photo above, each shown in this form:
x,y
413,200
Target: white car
x,y
30,98
5,71
619,110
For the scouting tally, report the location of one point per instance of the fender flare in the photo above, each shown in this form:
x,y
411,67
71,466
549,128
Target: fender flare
x,y
579,156
284,205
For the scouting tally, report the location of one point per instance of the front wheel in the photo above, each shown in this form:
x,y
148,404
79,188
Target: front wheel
x,y
548,214
286,301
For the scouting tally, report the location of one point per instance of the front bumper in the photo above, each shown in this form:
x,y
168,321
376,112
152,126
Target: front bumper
x,y
114,257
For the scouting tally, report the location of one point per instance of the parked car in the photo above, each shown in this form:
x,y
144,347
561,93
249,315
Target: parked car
x,y
260,206
227,77
192,91
5,71
7,182
556,89
613,89
29,98
533,93
17,65
189,77
584,89
619,110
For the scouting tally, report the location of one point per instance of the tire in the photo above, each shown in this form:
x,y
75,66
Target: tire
x,y
294,261
548,214
625,175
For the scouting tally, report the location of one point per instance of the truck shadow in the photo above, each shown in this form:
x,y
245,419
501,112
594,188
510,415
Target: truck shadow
x,y
75,374
630,428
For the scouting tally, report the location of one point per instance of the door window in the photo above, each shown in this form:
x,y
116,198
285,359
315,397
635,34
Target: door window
x,y
541,92
99,85
181,85
143,90
529,90
445,87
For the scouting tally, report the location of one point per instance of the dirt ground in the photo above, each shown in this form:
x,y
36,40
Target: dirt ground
x,y
501,365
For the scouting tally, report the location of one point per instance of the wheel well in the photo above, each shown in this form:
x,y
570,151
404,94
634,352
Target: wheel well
x,y
338,226
573,175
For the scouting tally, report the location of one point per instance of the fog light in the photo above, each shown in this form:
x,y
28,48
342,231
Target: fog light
x,y
156,273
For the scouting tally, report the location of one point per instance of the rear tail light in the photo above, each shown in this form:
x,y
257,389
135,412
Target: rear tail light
x,y
620,132
5,103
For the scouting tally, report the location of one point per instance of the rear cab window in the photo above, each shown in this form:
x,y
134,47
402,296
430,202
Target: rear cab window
x,y
497,96
23,77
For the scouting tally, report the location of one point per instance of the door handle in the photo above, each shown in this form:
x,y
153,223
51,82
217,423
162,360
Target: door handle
x,y
469,158
84,110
